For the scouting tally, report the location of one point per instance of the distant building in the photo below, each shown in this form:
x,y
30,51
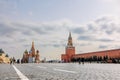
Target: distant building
x,y
113,55
69,50
32,56
3,57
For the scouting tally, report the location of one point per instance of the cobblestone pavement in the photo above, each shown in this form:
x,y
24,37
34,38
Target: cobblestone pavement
x,y
7,72
61,71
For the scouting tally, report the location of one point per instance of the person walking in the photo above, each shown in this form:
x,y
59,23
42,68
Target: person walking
x,y
10,61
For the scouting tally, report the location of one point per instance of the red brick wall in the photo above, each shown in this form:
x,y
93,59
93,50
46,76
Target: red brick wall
x,y
110,53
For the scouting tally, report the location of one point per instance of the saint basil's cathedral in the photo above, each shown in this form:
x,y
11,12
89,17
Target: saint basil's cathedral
x,y
32,56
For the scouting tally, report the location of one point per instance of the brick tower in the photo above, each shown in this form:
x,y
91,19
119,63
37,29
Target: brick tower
x,y
70,50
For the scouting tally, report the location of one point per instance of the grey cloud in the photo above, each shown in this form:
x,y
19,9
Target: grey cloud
x,y
5,29
26,45
27,29
56,45
86,37
104,19
91,27
103,25
91,38
53,45
79,30
22,40
21,31
105,40
3,42
40,30
102,46
109,28
28,33
109,31
106,25
85,44
48,27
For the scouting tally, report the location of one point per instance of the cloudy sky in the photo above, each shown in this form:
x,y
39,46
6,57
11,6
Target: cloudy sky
x,y
94,24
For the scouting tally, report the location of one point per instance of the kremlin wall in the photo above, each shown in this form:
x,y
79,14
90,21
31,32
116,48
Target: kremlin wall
x,y
107,55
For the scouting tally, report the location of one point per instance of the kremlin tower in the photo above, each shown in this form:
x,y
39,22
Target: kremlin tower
x,y
70,50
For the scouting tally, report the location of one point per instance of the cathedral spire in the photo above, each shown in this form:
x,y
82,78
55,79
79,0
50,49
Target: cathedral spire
x,y
33,49
33,44
70,44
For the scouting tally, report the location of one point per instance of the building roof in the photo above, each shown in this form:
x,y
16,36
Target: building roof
x,y
26,51
1,51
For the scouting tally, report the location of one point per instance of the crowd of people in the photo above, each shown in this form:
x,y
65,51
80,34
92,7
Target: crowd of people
x,y
13,60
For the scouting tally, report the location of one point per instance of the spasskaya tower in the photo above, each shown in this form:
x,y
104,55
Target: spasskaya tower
x,y
69,50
